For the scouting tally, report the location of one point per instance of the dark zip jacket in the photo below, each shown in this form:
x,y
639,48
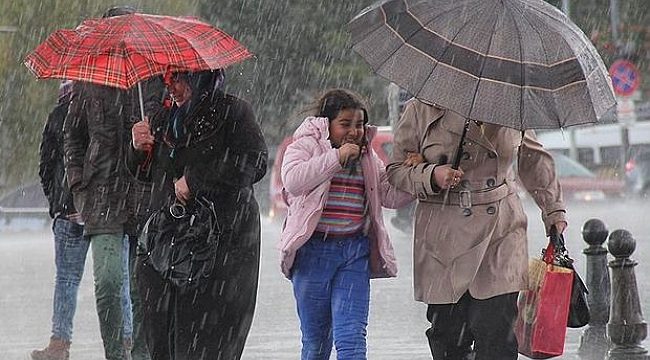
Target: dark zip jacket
x,y
51,168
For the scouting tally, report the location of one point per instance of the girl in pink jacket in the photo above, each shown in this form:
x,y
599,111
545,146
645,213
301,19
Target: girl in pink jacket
x,y
334,239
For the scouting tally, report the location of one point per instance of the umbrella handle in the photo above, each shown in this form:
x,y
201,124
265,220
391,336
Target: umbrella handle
x,y
459,150
457,155
141,102
147,162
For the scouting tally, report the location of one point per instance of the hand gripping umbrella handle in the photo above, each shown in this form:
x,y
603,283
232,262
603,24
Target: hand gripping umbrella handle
x,y
457,155
147,161
459,150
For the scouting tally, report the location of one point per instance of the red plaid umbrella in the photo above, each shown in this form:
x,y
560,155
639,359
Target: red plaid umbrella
x,y
122,51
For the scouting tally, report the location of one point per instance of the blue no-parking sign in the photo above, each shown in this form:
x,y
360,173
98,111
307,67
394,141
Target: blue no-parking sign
x,y
625,77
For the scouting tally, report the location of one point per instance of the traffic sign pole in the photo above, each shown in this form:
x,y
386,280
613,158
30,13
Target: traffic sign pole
x,y
625,81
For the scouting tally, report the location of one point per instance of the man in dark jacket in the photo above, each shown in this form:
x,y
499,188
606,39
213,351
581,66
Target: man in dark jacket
x,y
96,131
70,247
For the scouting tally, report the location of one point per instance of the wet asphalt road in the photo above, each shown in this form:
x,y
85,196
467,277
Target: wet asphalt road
x,y
397,323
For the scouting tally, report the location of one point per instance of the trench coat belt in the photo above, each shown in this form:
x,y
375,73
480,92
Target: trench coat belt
x,y
466,198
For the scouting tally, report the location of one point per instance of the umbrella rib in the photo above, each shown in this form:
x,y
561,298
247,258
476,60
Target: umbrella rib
x,y
383,12
405,40
524,16
576,33
480,73
451,41
523,73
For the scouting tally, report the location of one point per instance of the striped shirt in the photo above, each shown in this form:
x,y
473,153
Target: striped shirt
x,y
345,210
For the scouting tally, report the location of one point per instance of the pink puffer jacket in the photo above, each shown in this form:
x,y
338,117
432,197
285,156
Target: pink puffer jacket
x,y
309,164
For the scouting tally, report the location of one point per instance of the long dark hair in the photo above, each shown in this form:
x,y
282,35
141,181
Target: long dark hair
x,y
334,100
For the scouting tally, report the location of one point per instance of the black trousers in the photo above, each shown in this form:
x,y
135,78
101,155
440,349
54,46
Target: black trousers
x,y
207,323
474,329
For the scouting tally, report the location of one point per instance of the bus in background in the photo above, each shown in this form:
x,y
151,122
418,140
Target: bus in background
x,y
598,146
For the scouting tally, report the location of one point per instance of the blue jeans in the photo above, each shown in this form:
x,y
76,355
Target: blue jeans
x,y
70,249
331,284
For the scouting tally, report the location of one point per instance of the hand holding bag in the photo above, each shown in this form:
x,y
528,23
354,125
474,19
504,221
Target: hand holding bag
x,y
540,326
578,307
180,242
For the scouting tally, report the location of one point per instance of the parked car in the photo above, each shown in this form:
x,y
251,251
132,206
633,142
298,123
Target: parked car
x,y
381,143
637,174
580,183
24,208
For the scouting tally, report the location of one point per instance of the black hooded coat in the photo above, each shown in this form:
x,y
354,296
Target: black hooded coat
x,y
221,152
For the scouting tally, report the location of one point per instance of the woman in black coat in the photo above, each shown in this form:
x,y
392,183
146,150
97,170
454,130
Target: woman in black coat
x,y
208,146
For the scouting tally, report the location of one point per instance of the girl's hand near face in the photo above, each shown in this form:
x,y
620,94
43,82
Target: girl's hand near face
x,y
348,152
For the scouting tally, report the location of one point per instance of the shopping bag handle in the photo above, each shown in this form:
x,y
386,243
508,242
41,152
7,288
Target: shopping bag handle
x,y
555,247
549,253
557,239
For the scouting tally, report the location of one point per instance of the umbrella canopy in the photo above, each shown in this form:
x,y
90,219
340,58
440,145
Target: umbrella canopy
x,y
516,63
123,50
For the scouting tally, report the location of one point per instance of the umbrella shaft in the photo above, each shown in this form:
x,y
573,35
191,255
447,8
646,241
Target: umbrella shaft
x,y
459,150
141,102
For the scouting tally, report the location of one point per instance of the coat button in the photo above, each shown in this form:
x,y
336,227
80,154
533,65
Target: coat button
x,y
422,195
490,182
466,156
492,155
491,210
467,212
464,183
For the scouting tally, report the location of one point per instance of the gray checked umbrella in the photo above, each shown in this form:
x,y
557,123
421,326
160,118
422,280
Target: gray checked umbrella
x,y
516,63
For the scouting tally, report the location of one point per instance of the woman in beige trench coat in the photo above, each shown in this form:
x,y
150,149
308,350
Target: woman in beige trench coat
x,y
470,256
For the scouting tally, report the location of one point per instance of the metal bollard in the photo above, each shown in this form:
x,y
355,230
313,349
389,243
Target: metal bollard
x,y
593,342
626,328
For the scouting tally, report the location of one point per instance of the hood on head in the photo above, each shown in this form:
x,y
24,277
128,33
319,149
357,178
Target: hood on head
x,y
65,89
202,83
118,10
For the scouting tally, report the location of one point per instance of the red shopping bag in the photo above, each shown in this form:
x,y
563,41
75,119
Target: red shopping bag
x,y
541,324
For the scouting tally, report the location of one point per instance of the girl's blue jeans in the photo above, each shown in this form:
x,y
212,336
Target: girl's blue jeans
x,y
331,284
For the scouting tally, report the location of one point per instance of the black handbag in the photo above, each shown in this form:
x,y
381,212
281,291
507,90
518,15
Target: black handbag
x,y
180,242
578,307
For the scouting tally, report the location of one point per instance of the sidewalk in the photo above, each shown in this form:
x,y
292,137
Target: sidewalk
x,y
395,332
397,322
